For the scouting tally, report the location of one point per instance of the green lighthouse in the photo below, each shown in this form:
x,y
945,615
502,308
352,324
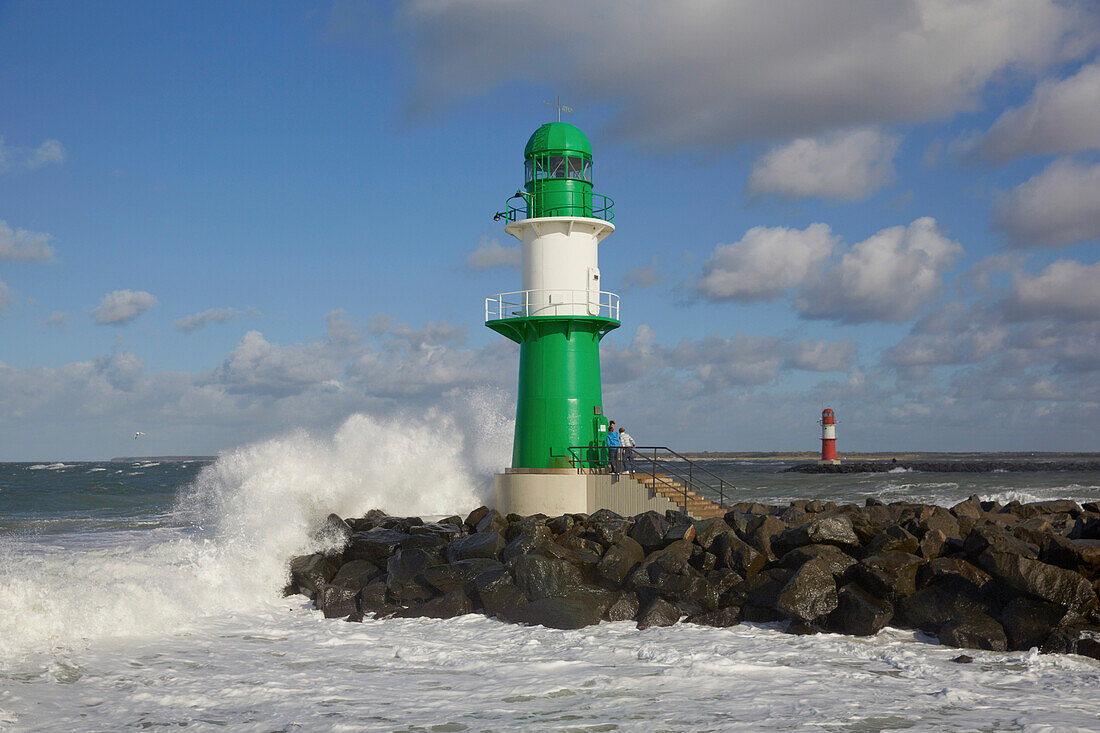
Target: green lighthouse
x,y
560,315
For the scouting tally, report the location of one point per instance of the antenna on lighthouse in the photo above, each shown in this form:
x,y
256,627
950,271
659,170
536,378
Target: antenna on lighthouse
x,y
561,107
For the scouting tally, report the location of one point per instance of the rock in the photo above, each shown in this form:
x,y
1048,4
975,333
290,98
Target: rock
x,y
858,612
1057,585
1087,527
624,608
972,507
561,525
1028,621
733,553
497,595
985,536
932,544
762,532
334,533
355,574
963,659
531,540
375,545
430,542
476,516
719,618
707,530
559,613
374,598
649,531
676,532
619,560
833,558
891,574
482,544
444,530
454,603
930,608
407,564
975,631
338,601
542,577
658,612
457,575
1058,506
944,521
763,589
492,522
950,568
606,527
1080,556
894,538
827,530
677,588
311,572
809,594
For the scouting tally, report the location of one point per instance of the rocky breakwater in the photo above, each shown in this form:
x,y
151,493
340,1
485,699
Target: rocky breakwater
x,y
978,575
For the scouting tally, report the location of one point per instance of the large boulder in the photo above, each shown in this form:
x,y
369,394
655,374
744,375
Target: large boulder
x,y
333,533
762,531
492,522
481,544
311,572
458,575
707,530
606,527
338,601
858,612
495,593
455,603
658,612
974,631
989,537
892,575
719,618
940,603
375,545
543,577
619,560
833,530
649,531
355,574
952,569
1049,582
572,612
1028,621
732,552
833,558
896,538
532,539
625,607
809,594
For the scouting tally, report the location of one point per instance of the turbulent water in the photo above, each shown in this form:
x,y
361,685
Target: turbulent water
x,y
147,594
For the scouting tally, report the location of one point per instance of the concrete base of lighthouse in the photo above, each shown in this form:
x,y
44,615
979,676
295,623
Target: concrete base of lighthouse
x,y
829,462
554,492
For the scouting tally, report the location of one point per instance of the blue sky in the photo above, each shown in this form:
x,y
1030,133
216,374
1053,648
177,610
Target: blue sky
x,y
219,222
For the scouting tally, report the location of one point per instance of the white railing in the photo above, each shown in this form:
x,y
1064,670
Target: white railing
x,y
527,303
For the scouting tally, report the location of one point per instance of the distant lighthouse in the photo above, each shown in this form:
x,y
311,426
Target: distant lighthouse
x,y
828,437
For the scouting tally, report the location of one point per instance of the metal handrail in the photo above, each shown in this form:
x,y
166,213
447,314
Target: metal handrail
x,y
603,207
689,478
527,303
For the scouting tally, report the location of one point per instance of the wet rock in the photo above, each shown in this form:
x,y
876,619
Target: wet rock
x,y
619,560
858,612
355,574
649,531
474,517
311,572
1080,556
531,540
1087,527
606,527
481,544
891,574
944,521
733,553
496,594
685,532
985,536
1028,621
833,558
821,530
624,608
454,603
707,530
719,618
975,631
542,577
446,530
337,601
809,593
561,525
374,599
375,545
971,507
945,568
1057,585
762,532
894,538
430,542
457,575
948,599
403,578
334,533
658,612
492,522
932,544
963,659
763,589
558,613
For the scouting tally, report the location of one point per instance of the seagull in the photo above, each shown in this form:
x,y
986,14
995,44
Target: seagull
x,y
137,434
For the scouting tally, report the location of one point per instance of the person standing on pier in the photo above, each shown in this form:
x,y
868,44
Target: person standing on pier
x,y
626,451
613,446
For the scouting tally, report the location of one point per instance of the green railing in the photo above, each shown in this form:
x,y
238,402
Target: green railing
x,y
603,207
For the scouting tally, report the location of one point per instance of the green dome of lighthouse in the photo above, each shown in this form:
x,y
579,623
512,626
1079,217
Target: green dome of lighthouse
x,y
558,137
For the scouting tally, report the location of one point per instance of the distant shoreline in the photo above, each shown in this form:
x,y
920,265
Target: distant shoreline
x,y
162,459
888,456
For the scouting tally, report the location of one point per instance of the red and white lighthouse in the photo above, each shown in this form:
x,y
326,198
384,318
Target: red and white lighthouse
x,y
828,437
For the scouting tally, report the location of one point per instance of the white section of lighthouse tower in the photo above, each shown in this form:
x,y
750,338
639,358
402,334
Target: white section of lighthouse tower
x,y
561,274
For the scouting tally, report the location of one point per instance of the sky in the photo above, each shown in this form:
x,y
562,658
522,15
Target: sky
x,y
220,222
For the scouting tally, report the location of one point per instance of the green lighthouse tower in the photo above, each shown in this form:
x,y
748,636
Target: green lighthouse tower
x,y
560,315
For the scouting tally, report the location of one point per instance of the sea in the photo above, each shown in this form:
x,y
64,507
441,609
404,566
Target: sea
x,y
146,595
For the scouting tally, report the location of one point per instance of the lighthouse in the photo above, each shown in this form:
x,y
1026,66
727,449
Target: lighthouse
x,y
558,318
828,438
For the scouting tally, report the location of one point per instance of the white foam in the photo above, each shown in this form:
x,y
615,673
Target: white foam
x,y
47,467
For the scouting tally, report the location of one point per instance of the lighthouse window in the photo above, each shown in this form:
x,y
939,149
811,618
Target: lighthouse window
x,y
588,171
528,171
557,166
576,168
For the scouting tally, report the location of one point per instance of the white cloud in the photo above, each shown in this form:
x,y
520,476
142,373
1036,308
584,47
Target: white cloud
x,y
953,334
196,321
1065,290
490,253
765,263
888,277
24,246
259,367
14,157
643,277
822,356
58,320
848,165
1058,206
122,306
710,74
1060,117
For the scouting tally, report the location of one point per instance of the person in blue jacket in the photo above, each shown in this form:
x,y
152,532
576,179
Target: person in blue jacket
x,y
613,444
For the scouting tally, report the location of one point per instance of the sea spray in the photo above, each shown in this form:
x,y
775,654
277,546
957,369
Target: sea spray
x,y
234,528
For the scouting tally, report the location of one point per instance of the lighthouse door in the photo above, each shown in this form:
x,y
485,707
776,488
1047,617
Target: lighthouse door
x,y
593,291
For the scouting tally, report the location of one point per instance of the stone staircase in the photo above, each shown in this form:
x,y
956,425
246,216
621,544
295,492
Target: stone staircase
x,y
670,488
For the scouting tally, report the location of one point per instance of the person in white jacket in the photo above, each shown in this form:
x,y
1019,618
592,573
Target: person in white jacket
x,y
626,459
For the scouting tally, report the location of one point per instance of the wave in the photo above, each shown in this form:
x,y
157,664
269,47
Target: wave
x,y
47,467
239,522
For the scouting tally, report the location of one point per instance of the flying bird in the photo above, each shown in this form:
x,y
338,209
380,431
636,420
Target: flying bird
x,y
137,434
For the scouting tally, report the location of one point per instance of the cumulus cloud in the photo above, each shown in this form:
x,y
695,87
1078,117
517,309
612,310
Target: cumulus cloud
x,y
848,165
1058,206
15,158
58,320
888,277
952,334
765,263
708,74
24,246
1065,290
822,356
1060,117
491,253
196,321
122,306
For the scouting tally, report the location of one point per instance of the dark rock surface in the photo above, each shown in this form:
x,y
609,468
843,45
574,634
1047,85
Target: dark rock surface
x,y
978,575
